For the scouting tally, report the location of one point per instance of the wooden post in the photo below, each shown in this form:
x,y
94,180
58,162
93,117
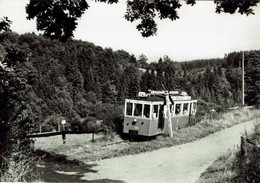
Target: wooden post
x,y
243,82
93,137
243,149
58,126
190,113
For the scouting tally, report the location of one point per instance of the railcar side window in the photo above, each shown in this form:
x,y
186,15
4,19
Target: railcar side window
x,y
138,110
185,108
129,108
155,111
147,111
178,109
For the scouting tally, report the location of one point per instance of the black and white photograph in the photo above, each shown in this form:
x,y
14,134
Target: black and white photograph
x,y
130,91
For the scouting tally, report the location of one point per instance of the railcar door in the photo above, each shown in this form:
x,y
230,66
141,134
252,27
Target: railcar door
x,y
161,118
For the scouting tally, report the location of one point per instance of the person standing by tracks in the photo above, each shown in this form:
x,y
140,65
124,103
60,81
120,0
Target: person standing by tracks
x,y
63,130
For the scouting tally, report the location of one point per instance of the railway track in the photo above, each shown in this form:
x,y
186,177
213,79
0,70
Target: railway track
x,y
48,134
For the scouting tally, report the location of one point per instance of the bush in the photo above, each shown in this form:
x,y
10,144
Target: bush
x,y
87,124
110,114
51,123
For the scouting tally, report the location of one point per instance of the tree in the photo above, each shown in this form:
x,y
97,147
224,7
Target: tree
x,y
58,19
231,6
160,79
5,24
148,81
252,79
143,61
132,80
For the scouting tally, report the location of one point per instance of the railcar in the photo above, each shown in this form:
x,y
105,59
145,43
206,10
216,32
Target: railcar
x,y
148,113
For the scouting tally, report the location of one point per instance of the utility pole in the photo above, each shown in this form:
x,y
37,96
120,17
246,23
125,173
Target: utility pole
x,y
243,82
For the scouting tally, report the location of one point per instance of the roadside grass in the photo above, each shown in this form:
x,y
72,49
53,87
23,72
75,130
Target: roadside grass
x,y
221,171
234,167
79,147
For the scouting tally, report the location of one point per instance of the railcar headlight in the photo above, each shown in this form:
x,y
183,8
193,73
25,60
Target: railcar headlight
x,y
134,122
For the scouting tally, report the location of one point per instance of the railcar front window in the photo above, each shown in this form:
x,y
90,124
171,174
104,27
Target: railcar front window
x,y
129,108
178,109
147,111
185,108
138,110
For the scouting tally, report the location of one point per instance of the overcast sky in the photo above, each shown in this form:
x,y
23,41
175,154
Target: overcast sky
x,y
199,33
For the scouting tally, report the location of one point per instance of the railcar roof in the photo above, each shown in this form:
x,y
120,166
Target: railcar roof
x,y
161,98
151,98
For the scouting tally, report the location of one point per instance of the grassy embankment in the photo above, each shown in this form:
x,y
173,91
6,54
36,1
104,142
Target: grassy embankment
x,y
234,167
80,148
19,171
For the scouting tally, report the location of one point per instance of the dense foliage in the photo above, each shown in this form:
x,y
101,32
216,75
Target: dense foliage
x,y
17,115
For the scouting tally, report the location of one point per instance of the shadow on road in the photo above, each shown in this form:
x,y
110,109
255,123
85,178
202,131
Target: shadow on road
x,y
57,168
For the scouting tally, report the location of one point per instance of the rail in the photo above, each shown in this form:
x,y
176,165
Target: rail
x,y
48,134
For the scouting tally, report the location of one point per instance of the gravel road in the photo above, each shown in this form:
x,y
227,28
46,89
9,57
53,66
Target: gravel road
x,y
178,164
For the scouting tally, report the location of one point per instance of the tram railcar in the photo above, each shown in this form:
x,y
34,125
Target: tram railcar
x,y
146,115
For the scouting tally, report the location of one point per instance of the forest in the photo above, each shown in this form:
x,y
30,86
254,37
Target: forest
x,y
82,83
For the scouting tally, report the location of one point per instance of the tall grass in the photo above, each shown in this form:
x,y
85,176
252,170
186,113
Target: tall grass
x,y
221,170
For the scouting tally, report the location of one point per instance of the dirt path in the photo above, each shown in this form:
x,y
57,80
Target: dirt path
x,y
183,163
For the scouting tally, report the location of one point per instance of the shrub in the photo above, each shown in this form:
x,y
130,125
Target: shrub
x,y
111,114
51,123
87,124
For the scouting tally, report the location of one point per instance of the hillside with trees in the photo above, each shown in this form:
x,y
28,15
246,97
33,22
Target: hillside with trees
x,y
43,81
82,82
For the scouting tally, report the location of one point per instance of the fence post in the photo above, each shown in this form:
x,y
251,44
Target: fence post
x,y
243,149
59,126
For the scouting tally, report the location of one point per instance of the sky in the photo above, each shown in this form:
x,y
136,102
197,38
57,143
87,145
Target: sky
x,y
200,33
